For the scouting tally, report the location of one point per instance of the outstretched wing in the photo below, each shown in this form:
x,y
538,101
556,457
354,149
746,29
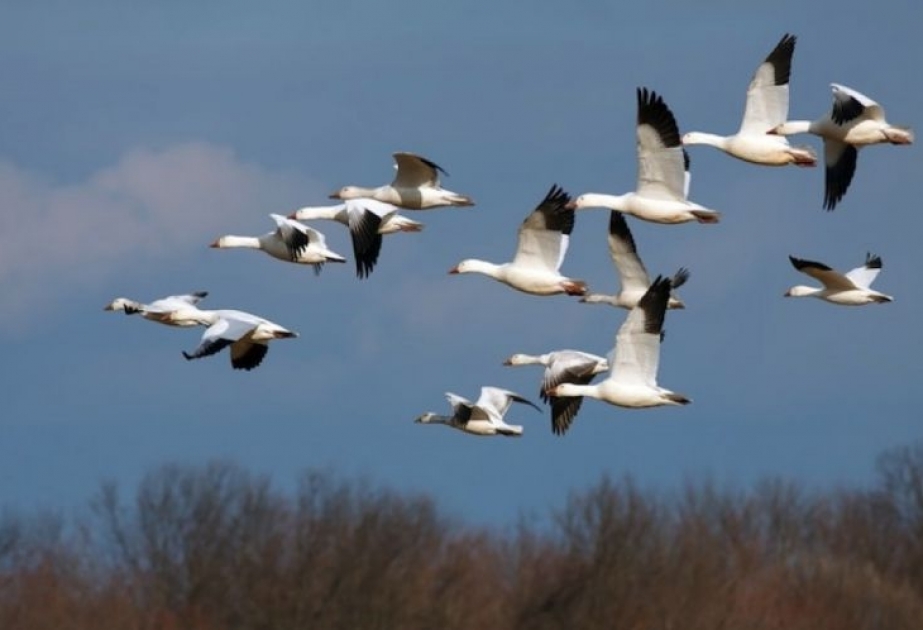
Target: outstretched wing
x,y
636,355
414,171
827,276
661,165
363,228
624,254
850,105
767,95
545,233
865,275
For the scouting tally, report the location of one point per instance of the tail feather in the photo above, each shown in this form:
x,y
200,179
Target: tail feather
x,y
679,399
706,216
462,200
575,287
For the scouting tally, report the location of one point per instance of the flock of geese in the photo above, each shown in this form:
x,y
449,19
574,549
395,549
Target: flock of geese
x,y
661,196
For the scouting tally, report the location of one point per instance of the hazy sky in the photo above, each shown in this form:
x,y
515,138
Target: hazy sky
x,y
134,135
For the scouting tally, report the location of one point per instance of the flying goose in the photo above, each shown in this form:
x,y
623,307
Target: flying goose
x,y
543,239
173,310
290,241
246,334
634,278
633,362
849,289
367,220
767,107
415,187
562,366
485,417
663,178
854,121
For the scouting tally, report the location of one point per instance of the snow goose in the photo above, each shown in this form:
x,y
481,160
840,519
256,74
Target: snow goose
x,y
485,417
634,278
543,239
632,379
415,186
562,366
849,289
173,310
854,121
767,107
663,178
290,241
367,220
246,334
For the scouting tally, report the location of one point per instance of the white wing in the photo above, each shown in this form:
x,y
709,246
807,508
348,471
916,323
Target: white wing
x,y
414,171
767,95
544,234
865,275
625,255
661,172
495,402
636,355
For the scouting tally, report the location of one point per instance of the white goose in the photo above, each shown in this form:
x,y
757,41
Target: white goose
x,y
854,121
634,278
248,336
290,241
415,186
663,179
562,366
767,107
633,363
543,239
485,417
367,220
173,310
849,289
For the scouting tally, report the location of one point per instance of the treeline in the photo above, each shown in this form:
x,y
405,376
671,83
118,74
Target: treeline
x,y
216,547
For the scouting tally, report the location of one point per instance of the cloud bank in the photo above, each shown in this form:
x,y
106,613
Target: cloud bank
x,y
151,204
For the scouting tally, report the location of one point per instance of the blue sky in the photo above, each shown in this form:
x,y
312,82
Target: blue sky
x,y
135,135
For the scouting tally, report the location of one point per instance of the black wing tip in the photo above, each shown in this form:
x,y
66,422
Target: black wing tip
x,y
801,264
188,356
653,111
556,195
781,58
200,294
872,261
558,216
686,160
680,277
251,358
654,304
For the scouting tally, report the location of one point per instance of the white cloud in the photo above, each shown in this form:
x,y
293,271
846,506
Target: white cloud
x,y
151,204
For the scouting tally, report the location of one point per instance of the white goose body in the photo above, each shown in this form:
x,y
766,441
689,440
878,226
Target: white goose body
x,y
246,334
562,366
367,220
854,121
290,241
767,107
173,310
633,363
484,417
542,245
663,177
635,280
849,289
415,186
